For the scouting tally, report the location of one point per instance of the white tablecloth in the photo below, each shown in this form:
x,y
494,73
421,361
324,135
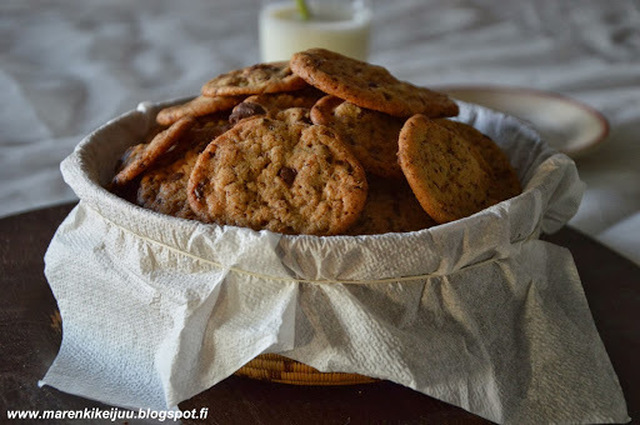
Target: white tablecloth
x,y
69,66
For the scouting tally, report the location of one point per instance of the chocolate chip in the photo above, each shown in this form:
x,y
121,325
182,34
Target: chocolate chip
x,y
288,175
265,66
245,110
198,191
175,176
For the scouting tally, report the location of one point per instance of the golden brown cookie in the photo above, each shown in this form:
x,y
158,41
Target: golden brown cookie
x,y
132,154
197,107
145,156
260,78
135,151
164,189
206,129
128,189
506,182
371,135
270,105
446,173
368,86
391,207
286,177
294,115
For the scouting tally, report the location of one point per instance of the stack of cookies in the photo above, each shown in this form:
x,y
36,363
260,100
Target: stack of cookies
x,y
321,145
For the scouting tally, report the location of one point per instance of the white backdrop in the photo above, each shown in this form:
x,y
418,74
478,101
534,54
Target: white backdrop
x,y
66,67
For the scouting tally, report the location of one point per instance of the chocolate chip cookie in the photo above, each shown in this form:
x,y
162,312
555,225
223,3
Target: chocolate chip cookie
x,y
274,104
371,135
260,78
164,189
197,107
142,157
391,207
286,177
506,182
369,86
446,173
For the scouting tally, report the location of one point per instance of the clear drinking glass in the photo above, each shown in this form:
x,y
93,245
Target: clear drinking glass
x,y
343,26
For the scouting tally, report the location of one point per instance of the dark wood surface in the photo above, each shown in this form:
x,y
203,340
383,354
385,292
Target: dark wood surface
x,y
29,342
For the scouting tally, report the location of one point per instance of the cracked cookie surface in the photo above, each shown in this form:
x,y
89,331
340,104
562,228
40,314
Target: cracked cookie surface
x,y
286,177
446,173
256,79
372,136
506,183
369,86
275,105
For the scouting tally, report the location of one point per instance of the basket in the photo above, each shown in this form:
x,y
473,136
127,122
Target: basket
x,y
277,368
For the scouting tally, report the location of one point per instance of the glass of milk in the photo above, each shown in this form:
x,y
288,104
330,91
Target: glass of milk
x,y
339,25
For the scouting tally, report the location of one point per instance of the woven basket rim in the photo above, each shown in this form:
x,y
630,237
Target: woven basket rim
x,y
278,368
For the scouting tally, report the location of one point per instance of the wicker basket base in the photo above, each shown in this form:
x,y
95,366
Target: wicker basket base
x,y
277,368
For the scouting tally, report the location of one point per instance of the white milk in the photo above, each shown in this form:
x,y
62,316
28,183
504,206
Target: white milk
x,y
340,27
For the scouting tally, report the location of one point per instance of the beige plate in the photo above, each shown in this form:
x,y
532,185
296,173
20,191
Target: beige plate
x,y
566,124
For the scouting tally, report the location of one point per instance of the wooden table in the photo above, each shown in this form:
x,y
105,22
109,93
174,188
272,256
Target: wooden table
x,y
29,342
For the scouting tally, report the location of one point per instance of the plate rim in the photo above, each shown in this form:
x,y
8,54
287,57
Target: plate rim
x,y
596,140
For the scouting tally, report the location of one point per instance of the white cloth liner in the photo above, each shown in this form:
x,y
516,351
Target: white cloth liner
x,y
478,312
